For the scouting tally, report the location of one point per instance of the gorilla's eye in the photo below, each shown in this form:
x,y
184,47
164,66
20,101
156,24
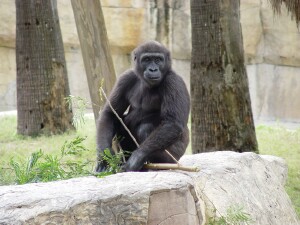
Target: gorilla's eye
x,y
157,60
146,59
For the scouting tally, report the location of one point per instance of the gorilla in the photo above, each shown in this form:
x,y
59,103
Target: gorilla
x,y
154,104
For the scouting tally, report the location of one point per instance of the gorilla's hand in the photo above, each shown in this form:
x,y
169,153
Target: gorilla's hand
x,y
101,166
135,162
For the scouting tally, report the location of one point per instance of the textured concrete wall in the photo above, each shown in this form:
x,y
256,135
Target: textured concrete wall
x,y
272,52
272,48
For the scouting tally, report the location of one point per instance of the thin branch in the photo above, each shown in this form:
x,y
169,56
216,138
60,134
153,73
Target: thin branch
x,y
172,156
119,118
121,150
170,166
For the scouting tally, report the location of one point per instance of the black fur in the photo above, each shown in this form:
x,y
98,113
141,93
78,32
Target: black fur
x,y
158,107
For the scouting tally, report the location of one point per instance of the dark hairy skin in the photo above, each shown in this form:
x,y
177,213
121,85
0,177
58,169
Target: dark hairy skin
x,y
157,104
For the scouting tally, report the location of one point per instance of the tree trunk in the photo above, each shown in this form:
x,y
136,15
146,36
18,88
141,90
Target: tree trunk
x,y
95,49
42,82
221,108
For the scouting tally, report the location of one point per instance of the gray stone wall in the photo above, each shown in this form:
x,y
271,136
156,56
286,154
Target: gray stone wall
x,y
271,43
272,52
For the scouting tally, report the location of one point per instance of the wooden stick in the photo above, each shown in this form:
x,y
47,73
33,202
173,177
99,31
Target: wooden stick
x,y
170,166
119,118
172,156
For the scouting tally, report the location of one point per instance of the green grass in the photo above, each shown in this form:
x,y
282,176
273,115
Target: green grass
x,y
284,143
20,147
274,140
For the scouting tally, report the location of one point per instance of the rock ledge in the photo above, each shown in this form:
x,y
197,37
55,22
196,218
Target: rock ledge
x,y
226,179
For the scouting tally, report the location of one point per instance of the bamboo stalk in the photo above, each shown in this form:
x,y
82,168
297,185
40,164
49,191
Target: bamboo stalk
x,y
170,166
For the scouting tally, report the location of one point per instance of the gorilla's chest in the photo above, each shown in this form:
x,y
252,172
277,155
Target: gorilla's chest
x,y
145,101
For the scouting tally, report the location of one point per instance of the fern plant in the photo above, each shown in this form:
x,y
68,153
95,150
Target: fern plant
x,y
114,162
42,167
80,105
25,172
234,216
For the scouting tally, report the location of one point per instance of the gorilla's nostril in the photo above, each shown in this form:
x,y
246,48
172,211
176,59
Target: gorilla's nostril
x,y
153,70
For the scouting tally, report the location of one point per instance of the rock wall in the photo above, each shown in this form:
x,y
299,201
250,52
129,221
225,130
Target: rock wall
x,y
226,179
272,48
272,52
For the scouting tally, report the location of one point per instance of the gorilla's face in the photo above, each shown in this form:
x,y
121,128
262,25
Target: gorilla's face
x,y
152,62
152,65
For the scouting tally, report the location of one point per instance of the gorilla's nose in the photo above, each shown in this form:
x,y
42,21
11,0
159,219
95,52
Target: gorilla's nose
x,y
153,69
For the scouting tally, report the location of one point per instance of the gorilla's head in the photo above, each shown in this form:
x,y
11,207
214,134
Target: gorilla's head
x,y
152,61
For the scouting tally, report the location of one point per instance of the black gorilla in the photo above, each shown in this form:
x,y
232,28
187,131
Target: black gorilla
x,y
154,103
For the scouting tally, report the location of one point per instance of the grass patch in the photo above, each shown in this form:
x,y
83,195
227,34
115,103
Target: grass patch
x,y
275,140
40,167
20,148
279,141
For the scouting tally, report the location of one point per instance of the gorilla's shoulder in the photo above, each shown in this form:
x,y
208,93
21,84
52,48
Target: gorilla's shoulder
x,y
172,76
128,77
128,73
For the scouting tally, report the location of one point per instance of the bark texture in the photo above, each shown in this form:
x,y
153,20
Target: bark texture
x,y
42,82
95,49
221,108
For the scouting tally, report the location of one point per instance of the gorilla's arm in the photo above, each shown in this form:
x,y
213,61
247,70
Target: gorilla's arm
x,y
106,124
174,113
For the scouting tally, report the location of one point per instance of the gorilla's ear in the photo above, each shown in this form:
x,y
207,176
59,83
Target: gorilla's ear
x,y
168,58
168,54
134,55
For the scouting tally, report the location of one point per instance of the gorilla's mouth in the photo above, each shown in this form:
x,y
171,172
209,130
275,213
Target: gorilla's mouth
x,y
152,76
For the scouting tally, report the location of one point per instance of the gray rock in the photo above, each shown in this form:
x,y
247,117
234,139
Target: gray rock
x,y
226,179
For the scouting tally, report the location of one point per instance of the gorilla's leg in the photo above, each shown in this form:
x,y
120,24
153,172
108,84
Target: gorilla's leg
x,y
125,140
144,131
177,150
